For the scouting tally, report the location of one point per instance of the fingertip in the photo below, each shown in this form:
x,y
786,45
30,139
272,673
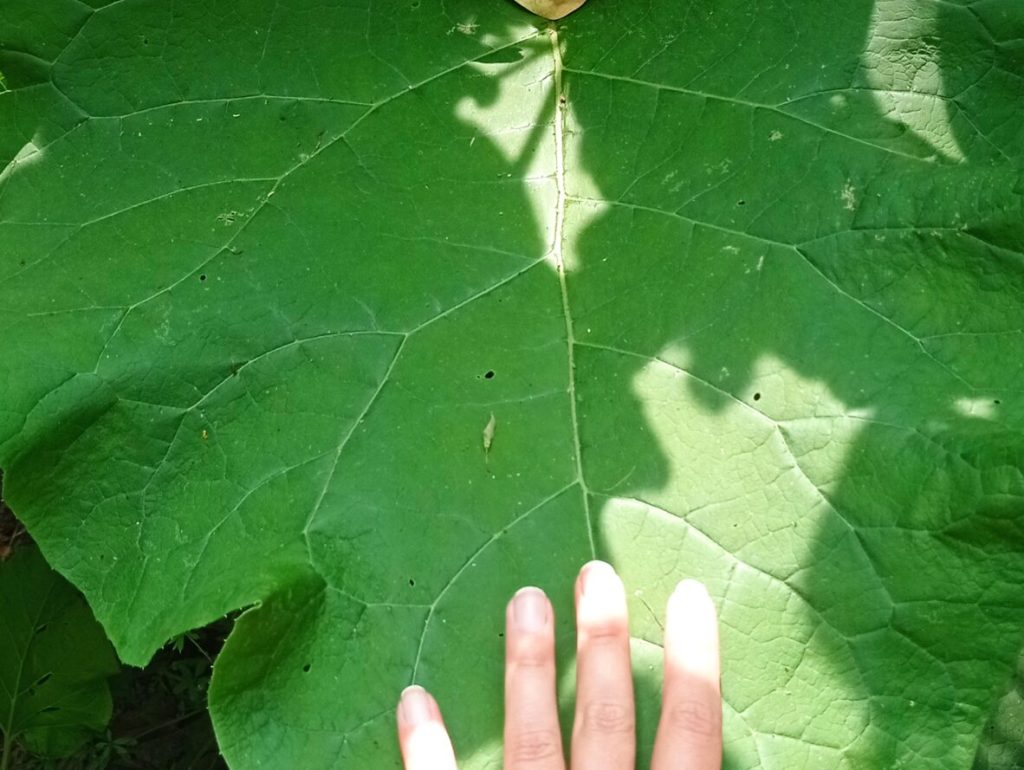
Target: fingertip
x,y
599,579
691,630
594,564
416,706
691,593
422,735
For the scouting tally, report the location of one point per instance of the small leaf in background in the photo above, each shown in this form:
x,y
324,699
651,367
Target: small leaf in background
x,y
54,661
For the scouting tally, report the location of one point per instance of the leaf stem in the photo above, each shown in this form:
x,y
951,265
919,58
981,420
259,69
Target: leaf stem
x,y
5,759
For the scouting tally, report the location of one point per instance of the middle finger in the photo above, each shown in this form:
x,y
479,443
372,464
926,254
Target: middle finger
x,y
603,735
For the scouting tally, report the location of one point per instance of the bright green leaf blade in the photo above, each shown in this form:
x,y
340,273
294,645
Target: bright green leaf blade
x,y
54,660
274,273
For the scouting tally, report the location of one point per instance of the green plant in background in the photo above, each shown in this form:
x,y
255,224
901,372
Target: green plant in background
x,y
362,318
54,661
158,719
1002,742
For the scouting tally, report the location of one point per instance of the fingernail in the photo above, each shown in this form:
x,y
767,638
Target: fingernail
x,y
414,706
599,579
530,609
691,590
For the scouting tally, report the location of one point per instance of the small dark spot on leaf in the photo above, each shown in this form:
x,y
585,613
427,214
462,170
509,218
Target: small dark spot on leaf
x,y
501,635
306,668
43,626
202,277
741,202
489,375
997,402
44,679
757,396
412,582
50,710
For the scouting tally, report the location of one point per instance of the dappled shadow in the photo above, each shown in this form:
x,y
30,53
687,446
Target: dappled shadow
x,y
819,360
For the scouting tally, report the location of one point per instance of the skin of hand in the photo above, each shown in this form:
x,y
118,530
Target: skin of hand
x,y
551,9
689,733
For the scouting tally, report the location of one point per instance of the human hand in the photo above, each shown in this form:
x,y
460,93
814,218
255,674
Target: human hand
x,y
551,9
690,730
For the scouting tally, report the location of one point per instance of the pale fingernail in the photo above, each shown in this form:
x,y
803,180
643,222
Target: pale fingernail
x,y
691,591
599,579
530,609
414,705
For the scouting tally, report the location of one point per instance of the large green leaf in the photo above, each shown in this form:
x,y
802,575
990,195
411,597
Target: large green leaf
x,y
54,661
741,284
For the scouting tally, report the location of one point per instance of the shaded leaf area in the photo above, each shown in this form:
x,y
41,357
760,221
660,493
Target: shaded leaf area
x,y
158,718
54,661
363,319
1002,742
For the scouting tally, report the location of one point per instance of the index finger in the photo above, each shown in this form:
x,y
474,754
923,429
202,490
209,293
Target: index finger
x,y
690,729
